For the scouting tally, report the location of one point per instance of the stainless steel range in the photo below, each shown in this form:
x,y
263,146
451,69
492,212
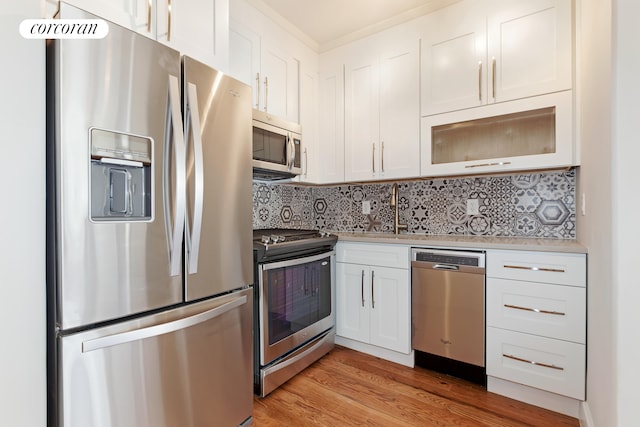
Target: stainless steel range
x,y
294,322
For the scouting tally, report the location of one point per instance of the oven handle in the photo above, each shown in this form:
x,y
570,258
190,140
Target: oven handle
x,y
303,351
295,261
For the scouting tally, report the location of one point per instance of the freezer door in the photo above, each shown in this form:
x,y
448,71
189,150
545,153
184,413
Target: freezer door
x,y
119,151
219,177
187,367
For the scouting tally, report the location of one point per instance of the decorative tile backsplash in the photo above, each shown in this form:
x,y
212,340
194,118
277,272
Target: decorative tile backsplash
x,y
523,205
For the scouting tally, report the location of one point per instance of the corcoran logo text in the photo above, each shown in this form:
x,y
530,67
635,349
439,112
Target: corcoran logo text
x,y
64,28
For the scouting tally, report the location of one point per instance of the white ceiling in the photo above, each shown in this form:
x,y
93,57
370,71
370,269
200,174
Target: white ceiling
x,y
330,23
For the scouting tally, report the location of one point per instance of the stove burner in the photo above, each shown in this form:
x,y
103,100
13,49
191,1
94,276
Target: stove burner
x,y
284,242
274,238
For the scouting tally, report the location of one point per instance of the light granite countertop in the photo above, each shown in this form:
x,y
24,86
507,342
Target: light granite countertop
x,y
467,242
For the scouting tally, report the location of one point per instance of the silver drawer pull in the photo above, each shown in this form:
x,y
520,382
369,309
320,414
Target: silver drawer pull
x,y
550,270
481,165
544,365
537,310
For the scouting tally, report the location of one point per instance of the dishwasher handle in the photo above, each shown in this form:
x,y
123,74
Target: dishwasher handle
x,y
448,267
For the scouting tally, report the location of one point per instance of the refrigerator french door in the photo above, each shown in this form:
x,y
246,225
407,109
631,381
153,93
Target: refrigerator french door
x,y
149,235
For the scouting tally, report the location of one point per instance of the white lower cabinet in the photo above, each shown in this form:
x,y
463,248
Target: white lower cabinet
x,y
373,295
548,364
536,320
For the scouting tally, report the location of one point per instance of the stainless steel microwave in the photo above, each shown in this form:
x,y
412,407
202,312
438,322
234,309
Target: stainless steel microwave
x,y
276,147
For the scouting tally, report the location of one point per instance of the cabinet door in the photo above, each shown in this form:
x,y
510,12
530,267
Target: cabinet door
x,y
362,117
390,312
495,139
308,121
546,267
279,77
197,28
400,111
137,15
244,63
553,311
330,155
454,68
544,363
531,44
353,292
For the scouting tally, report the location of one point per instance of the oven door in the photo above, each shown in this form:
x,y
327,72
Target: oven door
x,y
295,301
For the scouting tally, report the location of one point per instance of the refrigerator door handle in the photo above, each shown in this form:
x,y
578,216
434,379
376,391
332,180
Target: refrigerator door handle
x,y
193,124
174,127
163,328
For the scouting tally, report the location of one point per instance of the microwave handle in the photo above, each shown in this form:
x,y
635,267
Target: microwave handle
x,y
292,151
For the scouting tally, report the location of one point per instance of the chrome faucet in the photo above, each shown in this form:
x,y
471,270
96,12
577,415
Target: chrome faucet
x,y
394,204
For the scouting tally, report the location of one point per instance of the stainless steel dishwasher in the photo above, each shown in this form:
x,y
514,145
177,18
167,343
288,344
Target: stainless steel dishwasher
x,y
448,311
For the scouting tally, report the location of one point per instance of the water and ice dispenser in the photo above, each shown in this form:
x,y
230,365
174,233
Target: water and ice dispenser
x,y
121,176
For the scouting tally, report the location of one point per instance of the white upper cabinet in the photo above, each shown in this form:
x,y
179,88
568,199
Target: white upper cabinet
x,y
197,28
382,131
278,82
530,43
453,56
244,58
272,73
399,111
137,15
525,134
309,122
362,124
481,52
330,144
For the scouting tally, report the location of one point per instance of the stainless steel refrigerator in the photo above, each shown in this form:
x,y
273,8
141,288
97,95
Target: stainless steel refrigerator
x,y
149,236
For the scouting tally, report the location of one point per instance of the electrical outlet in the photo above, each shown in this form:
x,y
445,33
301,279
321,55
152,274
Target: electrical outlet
x,y
472,207
366,207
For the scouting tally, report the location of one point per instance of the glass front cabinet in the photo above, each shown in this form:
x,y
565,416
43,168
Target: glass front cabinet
x,y
527,134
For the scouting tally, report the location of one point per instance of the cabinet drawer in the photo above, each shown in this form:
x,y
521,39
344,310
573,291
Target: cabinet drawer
x,y
395,256
545,363
553,311
559,268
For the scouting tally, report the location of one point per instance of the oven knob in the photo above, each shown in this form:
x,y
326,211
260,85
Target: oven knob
x,y
265,239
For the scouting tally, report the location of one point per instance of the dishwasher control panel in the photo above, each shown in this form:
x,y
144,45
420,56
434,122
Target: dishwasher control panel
x,y
452,257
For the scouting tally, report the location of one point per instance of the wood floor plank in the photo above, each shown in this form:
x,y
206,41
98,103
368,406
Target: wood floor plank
x,y
348,388
416,405
451,388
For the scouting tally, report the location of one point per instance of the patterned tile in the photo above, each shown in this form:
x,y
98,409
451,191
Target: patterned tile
x,y
525,181
524,205
552,212
552,186
479,224
526,200
457,213
527,224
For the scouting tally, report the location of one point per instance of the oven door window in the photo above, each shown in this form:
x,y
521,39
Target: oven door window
x,y
298,296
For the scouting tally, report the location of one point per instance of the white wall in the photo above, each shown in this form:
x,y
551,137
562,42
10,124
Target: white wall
x,y
22,215
608,70
626,206
594,229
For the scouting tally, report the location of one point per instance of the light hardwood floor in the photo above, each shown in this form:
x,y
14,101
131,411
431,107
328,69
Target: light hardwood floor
x,y
347,388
